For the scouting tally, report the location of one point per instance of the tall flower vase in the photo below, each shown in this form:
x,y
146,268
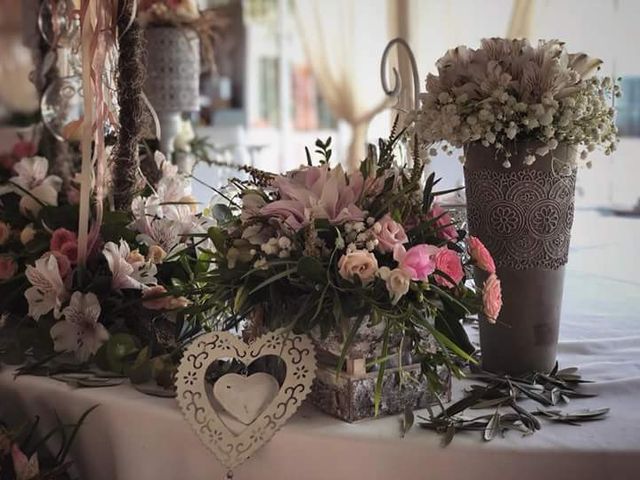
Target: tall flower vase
x,y
523,214
173,78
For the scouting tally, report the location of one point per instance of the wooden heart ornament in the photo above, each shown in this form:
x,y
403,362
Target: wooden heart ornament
x,y
238,414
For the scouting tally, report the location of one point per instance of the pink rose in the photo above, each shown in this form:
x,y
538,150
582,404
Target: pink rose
x,y
24,148
64,265
492,298
8,267
448,262
419,261
389,233
359,263
61,236
397,281
65,242
70,250
481,256
444,223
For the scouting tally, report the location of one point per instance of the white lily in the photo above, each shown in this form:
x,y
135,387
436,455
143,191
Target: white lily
x,y
80,332
47,291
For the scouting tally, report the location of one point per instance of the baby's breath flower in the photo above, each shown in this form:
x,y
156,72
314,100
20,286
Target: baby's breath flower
x,y
553,102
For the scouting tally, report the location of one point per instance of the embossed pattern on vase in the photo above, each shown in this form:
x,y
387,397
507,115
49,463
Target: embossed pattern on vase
x,y
524,217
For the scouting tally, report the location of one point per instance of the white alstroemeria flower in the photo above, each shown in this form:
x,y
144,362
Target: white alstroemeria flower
x,y
32,172
165,233
34,185
80,332
172,189
126,274
144,211
47,291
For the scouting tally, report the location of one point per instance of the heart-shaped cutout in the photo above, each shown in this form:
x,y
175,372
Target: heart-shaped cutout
x,y
233,435
245,397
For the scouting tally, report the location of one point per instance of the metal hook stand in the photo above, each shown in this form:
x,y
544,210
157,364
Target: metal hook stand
x,y
397,88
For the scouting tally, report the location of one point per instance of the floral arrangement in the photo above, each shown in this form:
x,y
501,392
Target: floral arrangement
x,y
320,250
508,91
127,294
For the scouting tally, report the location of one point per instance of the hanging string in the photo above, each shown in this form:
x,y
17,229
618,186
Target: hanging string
x,y
97,27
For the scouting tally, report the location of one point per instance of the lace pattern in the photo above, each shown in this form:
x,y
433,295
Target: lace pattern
x,y
523,217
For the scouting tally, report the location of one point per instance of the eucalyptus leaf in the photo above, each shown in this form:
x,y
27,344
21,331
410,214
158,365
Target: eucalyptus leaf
x,y
407,420
449,433
99,382
493,426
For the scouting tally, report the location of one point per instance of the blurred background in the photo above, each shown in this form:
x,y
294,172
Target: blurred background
x,y
290,71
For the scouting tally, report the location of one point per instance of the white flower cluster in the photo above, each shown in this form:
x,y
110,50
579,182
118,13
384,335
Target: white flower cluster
x,y
358,237
279,246
509,91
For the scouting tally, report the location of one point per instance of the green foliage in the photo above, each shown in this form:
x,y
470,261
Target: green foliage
x,y
506,392
323,148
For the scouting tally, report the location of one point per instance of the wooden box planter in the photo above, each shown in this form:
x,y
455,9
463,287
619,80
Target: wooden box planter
x,y
350,394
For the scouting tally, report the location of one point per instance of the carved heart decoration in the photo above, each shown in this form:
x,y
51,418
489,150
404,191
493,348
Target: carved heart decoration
x,y
244,398
251,410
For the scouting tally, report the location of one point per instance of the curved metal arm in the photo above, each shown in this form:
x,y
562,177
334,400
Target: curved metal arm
x,y
396,90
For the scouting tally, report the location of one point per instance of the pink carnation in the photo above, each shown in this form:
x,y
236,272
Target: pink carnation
x,y
448,262
444,223
480,255
8,267
419,261
389,233
492,298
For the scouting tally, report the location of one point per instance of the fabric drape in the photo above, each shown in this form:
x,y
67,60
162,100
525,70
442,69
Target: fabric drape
x,y
345,60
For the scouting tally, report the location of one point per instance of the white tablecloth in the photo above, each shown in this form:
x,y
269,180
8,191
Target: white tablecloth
x,y
135,437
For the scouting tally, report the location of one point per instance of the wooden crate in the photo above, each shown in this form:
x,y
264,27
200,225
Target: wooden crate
x,y
350,395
